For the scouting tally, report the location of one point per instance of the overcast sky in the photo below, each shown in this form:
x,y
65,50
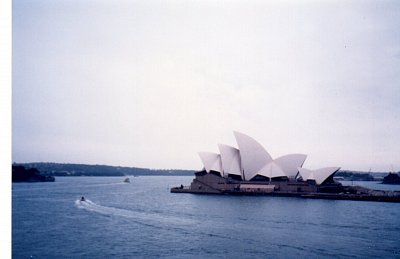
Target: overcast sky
x,y
151,83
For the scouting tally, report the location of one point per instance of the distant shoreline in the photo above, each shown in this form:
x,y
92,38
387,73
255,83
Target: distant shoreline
x,y
66,169
60,169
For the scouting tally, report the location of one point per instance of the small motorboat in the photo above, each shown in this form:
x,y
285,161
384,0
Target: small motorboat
x,y
83,198
127,180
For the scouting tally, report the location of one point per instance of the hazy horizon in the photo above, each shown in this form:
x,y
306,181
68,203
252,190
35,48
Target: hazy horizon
x,y
151,83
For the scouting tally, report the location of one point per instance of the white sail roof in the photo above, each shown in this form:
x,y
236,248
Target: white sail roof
x,y
253,155
290,163
230,158
211,161
272,169
319,175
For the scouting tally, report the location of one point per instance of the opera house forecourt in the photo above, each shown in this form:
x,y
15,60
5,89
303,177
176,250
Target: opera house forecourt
x,y
250,170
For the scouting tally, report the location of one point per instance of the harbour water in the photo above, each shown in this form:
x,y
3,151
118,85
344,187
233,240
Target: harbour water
x,y
142,219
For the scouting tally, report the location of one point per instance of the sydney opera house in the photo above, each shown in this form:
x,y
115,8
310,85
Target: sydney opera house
x,y
251,169
251,162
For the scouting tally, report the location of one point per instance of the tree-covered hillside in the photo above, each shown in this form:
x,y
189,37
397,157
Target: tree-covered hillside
x,y
58,169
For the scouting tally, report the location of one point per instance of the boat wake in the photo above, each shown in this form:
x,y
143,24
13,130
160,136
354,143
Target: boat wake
x,y
142,217
109,211
150,219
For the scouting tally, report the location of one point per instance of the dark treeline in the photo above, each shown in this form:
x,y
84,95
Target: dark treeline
x,y
58,169
21,174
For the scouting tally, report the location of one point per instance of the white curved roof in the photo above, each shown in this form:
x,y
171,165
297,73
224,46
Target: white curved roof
x,y
253,155
272,169
230,158
319,175
290,163
211,161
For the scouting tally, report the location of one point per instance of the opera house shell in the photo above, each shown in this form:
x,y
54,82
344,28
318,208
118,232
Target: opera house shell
x,y
251,162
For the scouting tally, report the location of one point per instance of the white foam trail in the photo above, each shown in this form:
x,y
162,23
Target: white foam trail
x,y
141,217
91,206
151,219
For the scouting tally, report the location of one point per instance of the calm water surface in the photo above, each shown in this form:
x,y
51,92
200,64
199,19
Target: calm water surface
x,y
144,220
